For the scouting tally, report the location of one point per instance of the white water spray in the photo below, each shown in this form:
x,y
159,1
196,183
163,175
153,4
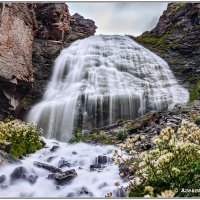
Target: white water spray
x,y
101,79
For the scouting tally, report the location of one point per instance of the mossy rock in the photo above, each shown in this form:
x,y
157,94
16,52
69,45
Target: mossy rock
x,y
195,91
95,137
26,101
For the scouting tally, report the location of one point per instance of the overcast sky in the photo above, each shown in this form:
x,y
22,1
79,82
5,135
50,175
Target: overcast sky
x,y
120,17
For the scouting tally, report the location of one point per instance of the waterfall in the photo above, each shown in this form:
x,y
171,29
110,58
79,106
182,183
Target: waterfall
x,y
103,78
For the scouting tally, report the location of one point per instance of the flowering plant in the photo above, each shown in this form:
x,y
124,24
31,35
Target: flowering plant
x,y
19,138
173,163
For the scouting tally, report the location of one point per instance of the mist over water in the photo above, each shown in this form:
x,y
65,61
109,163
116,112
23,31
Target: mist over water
x,y
103,78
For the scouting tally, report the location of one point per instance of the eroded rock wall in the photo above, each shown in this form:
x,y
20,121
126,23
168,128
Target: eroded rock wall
x,y
16,38
31,37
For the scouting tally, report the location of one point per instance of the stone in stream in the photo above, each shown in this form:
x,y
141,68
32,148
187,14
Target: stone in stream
x,y
22,173
2,178
102,160
63,163
82,192
32,178
95,167
49,159
18,173
63,177
48,167
54,148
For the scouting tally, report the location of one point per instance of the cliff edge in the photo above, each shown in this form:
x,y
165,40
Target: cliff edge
x,y
176,38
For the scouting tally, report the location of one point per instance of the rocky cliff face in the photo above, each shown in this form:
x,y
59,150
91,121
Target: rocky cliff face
x,y
176,38
56,29
31,37
16,38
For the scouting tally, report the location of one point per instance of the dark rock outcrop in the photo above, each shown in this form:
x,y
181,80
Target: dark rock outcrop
x,y
176,38
31,37
56,29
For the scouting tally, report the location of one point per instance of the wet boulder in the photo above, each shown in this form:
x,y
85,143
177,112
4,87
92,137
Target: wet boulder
x,y
63,177
102,160
54,148
2,178
95,167
18,173
22,173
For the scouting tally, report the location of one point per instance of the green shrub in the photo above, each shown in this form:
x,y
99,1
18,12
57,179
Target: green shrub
x,y
197,120
122,135
195,91
173,164
22,138
26,102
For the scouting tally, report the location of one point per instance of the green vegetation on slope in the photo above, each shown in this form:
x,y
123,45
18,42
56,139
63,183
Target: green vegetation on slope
x,y
195,91
173,164
19,139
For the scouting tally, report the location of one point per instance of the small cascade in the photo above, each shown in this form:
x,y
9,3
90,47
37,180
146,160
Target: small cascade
x,y
103,78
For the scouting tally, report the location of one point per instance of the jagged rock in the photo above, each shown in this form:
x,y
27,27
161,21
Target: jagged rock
x,y
177,39
56,29
48,167
142,121
62,178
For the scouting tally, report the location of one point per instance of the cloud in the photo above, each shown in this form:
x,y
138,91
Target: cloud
x,y
120,17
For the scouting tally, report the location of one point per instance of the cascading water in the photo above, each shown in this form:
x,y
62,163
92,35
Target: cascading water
x,y
101,79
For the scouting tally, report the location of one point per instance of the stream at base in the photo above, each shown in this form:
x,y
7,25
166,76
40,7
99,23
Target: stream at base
x,y
87,183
